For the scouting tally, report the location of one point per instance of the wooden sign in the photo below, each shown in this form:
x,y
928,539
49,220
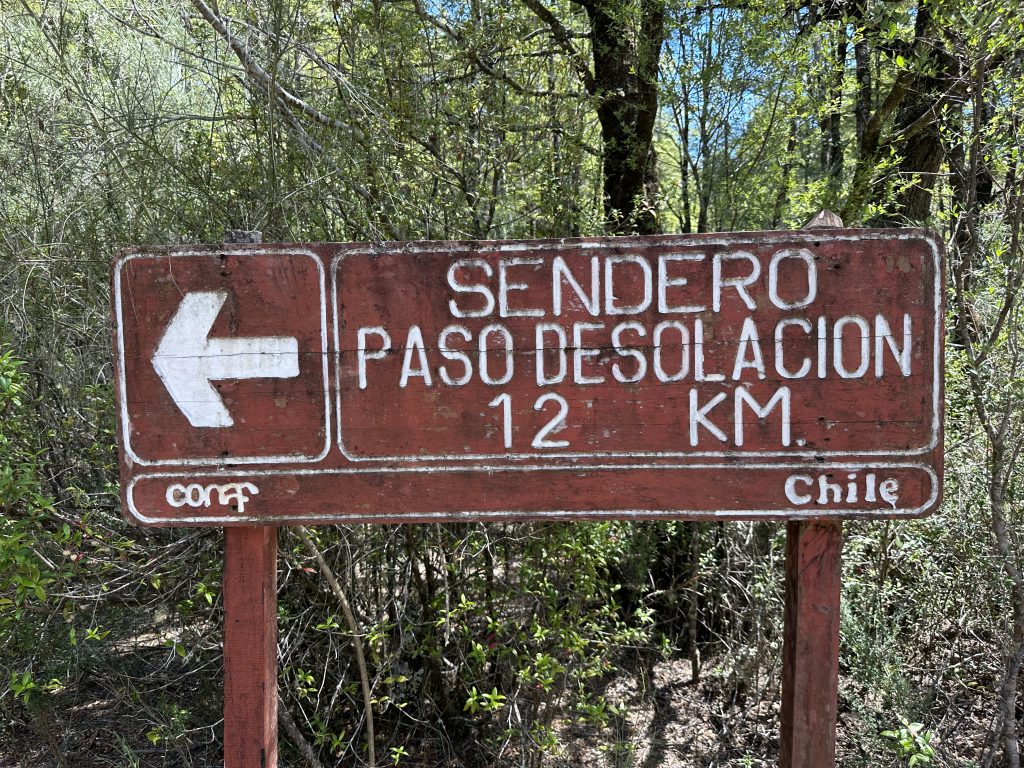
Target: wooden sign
x,y
762,375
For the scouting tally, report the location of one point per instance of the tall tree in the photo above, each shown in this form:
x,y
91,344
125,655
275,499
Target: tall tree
x,y
626,37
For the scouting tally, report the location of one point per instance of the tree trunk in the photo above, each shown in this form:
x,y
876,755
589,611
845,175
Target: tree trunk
x,y
684,173
914,105
917,136
1009,733
626,85
831,136
787,168
920,159
862,73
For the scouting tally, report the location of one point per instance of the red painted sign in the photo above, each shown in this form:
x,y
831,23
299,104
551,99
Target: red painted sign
x,y
762,375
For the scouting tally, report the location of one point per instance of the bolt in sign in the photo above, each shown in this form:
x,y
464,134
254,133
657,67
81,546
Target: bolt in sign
x,y
761,375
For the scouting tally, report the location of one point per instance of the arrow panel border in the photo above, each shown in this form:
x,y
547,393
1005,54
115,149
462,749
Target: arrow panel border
x,y
121,261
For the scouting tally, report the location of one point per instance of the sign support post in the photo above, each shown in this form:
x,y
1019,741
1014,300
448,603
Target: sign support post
x,y
810,646
810,636
250,647
250,633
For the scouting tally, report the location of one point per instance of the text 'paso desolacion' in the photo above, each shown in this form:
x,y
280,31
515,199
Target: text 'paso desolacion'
x,y
712,350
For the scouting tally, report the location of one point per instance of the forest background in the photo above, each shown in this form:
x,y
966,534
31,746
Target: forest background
x,y
653,644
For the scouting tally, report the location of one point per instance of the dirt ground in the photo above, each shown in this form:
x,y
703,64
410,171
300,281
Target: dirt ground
x,y
672,721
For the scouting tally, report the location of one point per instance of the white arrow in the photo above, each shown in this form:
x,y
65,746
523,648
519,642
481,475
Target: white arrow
x,y
187,360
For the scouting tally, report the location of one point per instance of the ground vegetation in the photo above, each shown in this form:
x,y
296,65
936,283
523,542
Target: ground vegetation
x,y
651,644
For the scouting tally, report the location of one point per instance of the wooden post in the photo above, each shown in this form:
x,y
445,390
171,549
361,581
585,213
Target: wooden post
x,y
250,647
810,637
250,632
810,650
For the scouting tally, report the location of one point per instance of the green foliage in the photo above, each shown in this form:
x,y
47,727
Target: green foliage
x,y
912,742
24,574
139,124
527,646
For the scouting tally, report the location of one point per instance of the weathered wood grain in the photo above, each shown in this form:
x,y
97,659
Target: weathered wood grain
x,y
810,655
784,375
250,647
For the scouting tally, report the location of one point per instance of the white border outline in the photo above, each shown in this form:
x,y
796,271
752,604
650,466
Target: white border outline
x,y
121,375
340,518
440,247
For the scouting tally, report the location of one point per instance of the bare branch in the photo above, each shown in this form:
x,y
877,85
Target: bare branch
x,y
353,626
261,76
480,63
295,735
564,38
